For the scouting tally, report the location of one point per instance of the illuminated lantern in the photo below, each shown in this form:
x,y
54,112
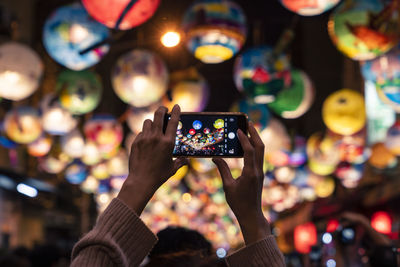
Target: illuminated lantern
x,y
294,101
299,155
73,144
351,147
68,32
108,12
22,125
140,78
381,157
55,162
349,172
257,113
392,141
275,138
189,90
40,147
91,154
20,71
305,236
343,112
119,164
381,222
105,131
261,75
215,30
364,29
90,185
76,173
55,119
332,225
309,8
202,165
79,91
322,153
100,171
284,174
325,187
136,117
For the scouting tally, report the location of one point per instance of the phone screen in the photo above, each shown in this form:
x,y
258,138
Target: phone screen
x,y
209,135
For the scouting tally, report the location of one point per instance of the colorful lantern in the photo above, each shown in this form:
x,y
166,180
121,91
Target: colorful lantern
x,y
322,153
284,174
332,225
343,112
79,91
305,236
257,113
275,138
76,173
22,125
20,71
105,131
140,78
350,173
108,12
189,90
73,144
351,147
136,117
100,171
119,164
215,30
393,138
364,29
55,119
68,32
90,185
91,154
381,222
299,155
55,162
40,147
309,8
381,157
262,74
294,101
325,187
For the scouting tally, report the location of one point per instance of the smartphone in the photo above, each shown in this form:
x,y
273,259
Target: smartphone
x,y
208,134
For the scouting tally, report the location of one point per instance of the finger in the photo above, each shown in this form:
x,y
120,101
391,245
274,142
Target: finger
x,y
158,121
173,122
248,151
179,163
224,171
147,124
258,145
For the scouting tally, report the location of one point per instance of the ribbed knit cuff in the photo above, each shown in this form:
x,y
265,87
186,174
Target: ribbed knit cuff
x,y
121,234
262,253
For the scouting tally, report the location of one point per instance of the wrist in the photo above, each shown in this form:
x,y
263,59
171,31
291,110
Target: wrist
x,y
254,228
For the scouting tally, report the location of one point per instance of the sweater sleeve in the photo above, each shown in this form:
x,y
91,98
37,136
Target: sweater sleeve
x,y
262,253
120,238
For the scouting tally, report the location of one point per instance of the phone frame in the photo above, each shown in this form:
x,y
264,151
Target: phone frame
x,y
243,124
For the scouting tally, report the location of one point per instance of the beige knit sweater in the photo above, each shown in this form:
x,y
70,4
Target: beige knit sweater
x,y
120,238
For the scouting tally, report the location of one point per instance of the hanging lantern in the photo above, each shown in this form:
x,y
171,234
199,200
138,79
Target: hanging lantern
x,y
381,157
392,141
105,131
100,171
364,29
140,78
189,90
261,74
215,30
119,164
258,114
351,147
20,71
275,137
349,172
202,165
108,12
90,185
322,153
381,222
40,147
343,112
298,156
137,116
73,144
55,119
56,161
325,187
22,125
309,8
284,174
76,173
68,32
91,154
305,236
79,91
294,101
332,225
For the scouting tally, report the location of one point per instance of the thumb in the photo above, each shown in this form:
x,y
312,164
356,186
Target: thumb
x,y
178,163
224,170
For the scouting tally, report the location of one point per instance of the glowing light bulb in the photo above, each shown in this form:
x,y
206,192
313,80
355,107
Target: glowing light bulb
x,y
171,39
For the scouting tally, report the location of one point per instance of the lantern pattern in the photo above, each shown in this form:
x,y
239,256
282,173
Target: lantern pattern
x,y
40,147
309,7
22,125
76,173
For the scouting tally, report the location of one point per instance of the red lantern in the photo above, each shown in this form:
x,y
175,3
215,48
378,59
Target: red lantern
x,y
381,222
332,225
108,12
305,236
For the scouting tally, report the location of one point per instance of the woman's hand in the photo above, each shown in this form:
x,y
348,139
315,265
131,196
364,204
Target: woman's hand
x,y
244,193
150,162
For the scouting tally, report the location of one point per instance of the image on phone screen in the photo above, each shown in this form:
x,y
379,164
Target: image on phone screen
x,y
201,135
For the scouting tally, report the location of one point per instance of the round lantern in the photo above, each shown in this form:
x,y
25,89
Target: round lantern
x,y
76,173
343,112
55,162
294,101
309,8
79,91
381,157
136,117
91,154
40,147
55,119
140,78
305,236
22,125
189,90
20,71
215,30
349,172
299,155
90,185
325,187
392,141
261,74
68,32
119,164
364,29
100,171
257,113
73,144
108,12
275,137
382,222
105,131
322,154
